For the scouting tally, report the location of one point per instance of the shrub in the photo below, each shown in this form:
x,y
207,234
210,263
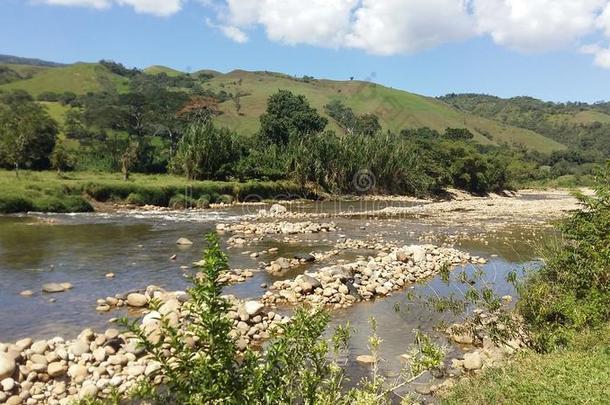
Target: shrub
x,y
225,199
203,202
13,204
135,199
180,201
572,290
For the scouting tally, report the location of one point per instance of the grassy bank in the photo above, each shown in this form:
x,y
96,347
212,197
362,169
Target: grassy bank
x,y
48,192
577,374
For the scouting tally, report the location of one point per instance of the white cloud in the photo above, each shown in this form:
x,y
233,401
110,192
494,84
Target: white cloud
x,y
160,8
235,34
600,53
86,3
536,25
401,26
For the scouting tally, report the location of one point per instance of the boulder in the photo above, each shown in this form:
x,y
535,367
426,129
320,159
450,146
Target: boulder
x,y
183,242
305,257
7,366
277,209
7,384
52,288
137,300
57,369
253,308
473,361
365,359
79,347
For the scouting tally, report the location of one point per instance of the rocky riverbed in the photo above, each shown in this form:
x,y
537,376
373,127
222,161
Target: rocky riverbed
x,y
355,263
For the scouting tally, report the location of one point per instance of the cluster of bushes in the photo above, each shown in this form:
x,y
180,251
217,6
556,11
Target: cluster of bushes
x,y
571,292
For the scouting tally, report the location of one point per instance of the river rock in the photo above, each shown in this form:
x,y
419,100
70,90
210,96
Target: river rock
x,y
7,384
137,300
26,293
183,242
253,308
365,359
53,288
57,369
7,365
88,391
305,257
79,348
40,347
473,361
24,344
277,209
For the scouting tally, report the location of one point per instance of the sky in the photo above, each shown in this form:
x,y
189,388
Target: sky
x,y
556,50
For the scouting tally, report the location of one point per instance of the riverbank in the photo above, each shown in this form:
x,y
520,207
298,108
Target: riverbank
x,y
88,191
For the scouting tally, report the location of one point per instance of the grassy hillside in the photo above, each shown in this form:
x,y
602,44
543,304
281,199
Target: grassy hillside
x,y
79,78
396,109
156,69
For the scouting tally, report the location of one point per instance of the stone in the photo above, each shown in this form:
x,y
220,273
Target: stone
x,y
79,347
365,359
137,300
88,391
56,369
14,400
26,293
7,384
7,365
24,344
77,370
135,371
109,275
99,354
183,242
305,257
473,361
277,209
52,288
253,308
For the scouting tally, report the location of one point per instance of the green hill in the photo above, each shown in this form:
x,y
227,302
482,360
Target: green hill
x,y
250,90
396,109
156,69
79,78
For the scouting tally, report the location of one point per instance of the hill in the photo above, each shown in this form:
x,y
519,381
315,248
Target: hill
x,y
17,60
581,126
246,95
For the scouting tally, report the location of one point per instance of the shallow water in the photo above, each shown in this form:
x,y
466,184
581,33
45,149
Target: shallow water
x,y
136,247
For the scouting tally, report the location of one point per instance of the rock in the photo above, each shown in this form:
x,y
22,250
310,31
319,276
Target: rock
x,y
365,359
14,400
152,368
7,365
473,361
88,391
277,209
253,308
57,369
507,299
312,281
137,300
135,371
7,384
305,257
183,242
78,348
109,275
26,293
99,354
53,288
24,344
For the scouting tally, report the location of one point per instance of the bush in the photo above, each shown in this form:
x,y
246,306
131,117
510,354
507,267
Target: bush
x,y
571,291
180,201
135,199
13,204
203,202
225,199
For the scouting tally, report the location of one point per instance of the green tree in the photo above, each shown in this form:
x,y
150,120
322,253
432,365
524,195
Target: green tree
x,y
27,133
289,115
367,124
61,158
129,158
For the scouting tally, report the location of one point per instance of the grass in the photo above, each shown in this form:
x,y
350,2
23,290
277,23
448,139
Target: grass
x,y
156,69
577,375
396,109
47,192
79,78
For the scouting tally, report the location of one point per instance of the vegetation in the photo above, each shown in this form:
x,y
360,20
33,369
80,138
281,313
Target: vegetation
x,y
297,365
566,309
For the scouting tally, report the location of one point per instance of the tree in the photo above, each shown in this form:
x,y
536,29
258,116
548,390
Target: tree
x,y
129,158
27,133
206,152
367,124
61,158
289,115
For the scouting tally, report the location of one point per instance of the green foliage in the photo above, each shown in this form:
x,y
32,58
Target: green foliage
x,y
27,133
205,152
289,115
61,158
572,290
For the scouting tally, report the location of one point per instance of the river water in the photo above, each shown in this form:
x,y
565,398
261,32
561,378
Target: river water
x,y
136,246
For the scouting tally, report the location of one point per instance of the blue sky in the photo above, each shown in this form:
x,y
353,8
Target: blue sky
x,y
427,53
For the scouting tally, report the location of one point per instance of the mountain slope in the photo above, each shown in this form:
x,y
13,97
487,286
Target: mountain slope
x,y
248,93
79,78
396,109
